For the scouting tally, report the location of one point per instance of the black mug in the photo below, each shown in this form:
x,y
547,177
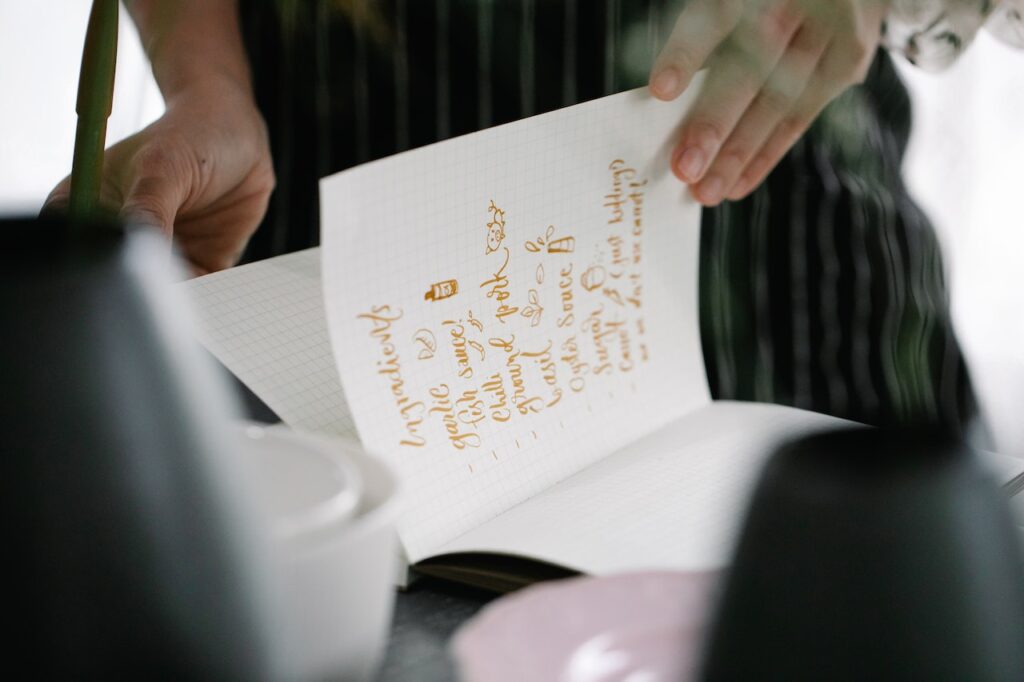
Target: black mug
x,y
127,549
873,555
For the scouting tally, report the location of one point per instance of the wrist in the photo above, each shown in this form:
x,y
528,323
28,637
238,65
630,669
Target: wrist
x,y
209,86
216,100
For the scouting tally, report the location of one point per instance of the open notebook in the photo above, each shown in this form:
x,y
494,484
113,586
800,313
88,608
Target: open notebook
x,y
510,319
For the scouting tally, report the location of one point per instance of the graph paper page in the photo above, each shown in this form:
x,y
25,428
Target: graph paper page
x,y
671,501
265,322
511,306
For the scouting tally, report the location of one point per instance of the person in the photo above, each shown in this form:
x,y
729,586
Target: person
x,y
821,281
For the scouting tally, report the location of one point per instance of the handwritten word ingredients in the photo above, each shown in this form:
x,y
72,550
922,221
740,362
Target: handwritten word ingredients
x,y
412,411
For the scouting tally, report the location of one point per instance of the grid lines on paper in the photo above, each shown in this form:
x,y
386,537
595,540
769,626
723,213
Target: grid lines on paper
x,y
265,322
394,226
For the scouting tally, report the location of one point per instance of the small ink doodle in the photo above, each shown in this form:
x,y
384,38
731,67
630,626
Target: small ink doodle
x,y
470,319
563,245
428,344
534,311
442,290
495,228
548,242
540,274
593,277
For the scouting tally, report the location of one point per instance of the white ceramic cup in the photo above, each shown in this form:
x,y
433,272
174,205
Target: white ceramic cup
x,y
330,514
305,488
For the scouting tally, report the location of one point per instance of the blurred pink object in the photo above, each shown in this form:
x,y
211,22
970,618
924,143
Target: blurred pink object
x,y
636,627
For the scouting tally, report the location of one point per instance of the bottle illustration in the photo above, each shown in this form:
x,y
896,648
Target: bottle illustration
x,y
563,245
442,290
548,242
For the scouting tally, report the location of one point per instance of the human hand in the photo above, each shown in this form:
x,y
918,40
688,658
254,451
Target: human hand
x,y
202,173
773,66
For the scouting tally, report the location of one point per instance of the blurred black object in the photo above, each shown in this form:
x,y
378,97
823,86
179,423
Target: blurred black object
x,y
125,554
871,555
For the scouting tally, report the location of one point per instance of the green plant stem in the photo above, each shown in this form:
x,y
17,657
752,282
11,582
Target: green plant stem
x,y
95,101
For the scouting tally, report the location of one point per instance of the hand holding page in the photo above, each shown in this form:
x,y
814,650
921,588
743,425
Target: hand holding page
x,y
509,307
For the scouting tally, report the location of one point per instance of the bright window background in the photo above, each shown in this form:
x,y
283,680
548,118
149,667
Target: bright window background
x,y
964,167
40,48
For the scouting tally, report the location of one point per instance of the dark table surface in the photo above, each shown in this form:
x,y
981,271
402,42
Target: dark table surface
x,y
426,616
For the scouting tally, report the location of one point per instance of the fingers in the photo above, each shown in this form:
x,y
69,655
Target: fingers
x,y
157,191
789,130
148,203
216,241
737,75
700,29
845,63
57,202
152,198
776,98
769,79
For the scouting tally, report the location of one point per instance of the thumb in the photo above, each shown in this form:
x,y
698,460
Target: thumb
x,y
153,201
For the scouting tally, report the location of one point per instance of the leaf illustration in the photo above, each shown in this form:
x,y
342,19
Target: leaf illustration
x,y
425,338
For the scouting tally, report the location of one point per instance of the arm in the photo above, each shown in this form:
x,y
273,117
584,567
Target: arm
x,y
191,42
202,173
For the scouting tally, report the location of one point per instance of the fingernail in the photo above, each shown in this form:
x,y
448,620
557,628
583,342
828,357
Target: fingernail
x,y
145,220
691,164
711,190
666,83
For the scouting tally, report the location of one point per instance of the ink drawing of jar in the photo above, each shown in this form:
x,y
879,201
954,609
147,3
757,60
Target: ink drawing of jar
x,y
442,290
563,245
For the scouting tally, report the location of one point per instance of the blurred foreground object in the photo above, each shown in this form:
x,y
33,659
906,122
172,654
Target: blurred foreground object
x,y
629,626
93,106
873,556
330,511
129,553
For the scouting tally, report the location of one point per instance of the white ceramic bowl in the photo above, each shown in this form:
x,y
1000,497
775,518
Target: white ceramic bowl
x,y
631,626
331,527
